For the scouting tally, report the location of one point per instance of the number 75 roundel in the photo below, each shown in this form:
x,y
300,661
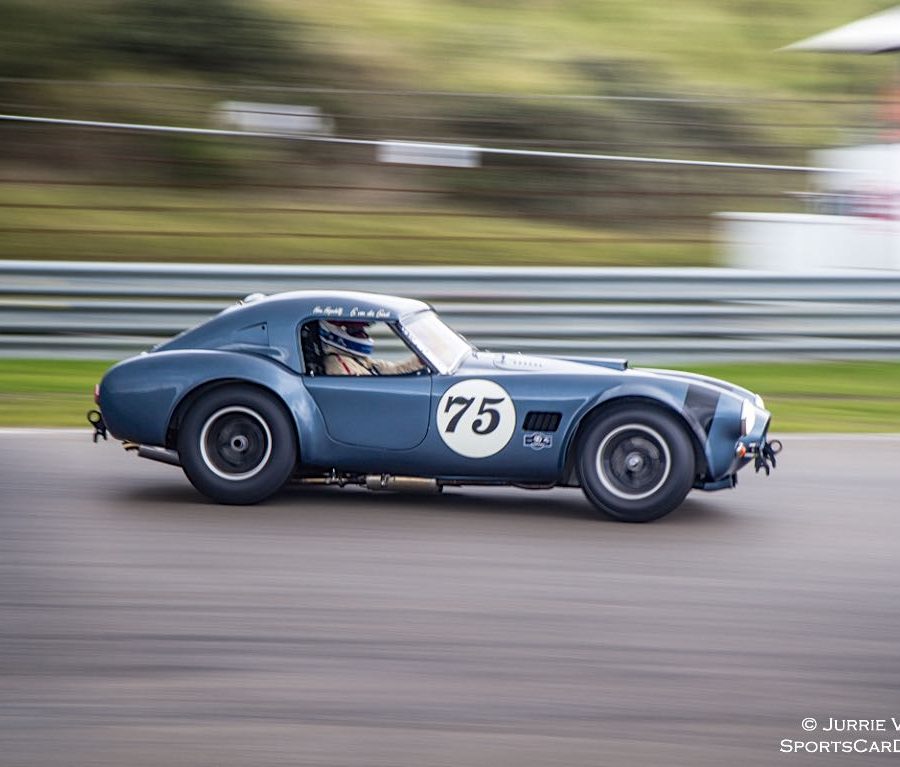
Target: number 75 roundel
x,y
476,418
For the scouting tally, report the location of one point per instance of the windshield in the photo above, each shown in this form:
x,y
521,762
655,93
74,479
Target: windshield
x,y
443,347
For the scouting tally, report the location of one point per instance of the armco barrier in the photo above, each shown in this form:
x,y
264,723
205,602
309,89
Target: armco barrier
x,y
70,309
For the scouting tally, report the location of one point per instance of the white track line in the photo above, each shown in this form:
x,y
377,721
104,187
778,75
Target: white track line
x,y
14,431
839,437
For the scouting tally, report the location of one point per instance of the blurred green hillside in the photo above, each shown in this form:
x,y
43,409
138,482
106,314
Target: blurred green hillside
x,y
693,79
726,47
585,46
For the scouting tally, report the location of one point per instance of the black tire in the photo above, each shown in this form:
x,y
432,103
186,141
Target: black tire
x,y
237,445
636,463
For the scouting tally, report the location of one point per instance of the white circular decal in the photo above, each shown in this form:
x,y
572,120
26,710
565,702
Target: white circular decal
x,y
476,418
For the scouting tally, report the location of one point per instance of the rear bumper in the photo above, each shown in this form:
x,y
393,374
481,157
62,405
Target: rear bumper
x,y
95,419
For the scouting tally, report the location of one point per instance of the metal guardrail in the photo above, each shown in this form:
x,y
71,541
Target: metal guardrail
x,y
69,309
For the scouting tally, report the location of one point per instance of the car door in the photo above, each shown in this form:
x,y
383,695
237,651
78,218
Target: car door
x,y
387,412
390,412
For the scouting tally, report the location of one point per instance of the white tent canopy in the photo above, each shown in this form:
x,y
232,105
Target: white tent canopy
x,y
874,34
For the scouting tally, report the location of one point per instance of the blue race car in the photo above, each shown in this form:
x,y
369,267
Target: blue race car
x,y
287,387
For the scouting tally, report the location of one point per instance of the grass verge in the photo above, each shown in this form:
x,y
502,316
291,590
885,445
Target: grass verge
x,y
87,224
810,397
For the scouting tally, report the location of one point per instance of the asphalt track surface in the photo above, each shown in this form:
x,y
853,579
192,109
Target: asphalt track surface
x,y
141,625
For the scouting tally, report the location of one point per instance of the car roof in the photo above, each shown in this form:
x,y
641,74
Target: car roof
x,y
343,304
272,321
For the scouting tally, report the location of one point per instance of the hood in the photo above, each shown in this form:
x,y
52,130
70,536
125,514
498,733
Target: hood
x,y
718,383
526,363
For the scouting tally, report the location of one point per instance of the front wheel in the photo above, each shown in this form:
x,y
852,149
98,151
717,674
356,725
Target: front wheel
x,y
237,445
636,464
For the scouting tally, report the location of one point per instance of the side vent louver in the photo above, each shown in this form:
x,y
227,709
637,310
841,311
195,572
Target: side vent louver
x,y
538,421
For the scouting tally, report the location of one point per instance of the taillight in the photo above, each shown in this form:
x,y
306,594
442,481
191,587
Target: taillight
x,y
96,394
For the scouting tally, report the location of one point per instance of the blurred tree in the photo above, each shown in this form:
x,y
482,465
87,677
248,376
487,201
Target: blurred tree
x,y
36,38
211,36
49,38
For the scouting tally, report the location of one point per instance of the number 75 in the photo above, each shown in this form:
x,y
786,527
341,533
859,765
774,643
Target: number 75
x,y
484,409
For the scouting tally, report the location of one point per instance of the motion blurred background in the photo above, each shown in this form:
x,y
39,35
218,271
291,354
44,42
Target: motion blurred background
x,y
696,80
699,81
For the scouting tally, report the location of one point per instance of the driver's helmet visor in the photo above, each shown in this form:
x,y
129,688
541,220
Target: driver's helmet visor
x,y
348,337
356,329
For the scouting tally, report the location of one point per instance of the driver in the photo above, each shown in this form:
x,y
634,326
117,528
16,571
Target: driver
x,y
348,349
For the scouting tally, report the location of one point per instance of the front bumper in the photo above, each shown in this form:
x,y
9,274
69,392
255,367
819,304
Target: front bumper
x,y
762,453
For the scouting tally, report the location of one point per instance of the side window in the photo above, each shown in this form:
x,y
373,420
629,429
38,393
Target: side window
x,y
352,348
388,345
311,349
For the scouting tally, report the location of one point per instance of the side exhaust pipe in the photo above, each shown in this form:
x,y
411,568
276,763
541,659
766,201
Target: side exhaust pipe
x,y
160,454
402,484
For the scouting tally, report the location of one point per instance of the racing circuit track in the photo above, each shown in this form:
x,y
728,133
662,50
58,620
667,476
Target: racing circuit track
x,y
143,626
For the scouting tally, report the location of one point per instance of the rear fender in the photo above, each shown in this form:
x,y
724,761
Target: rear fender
x,y
142,397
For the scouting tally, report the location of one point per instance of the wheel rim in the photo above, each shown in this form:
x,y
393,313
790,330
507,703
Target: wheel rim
x,y
633,461
235,443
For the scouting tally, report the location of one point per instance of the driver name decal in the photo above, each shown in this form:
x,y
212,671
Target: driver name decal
x,y
476,418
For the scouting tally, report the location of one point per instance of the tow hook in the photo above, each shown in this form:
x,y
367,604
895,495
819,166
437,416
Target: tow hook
x,y
764,455
95,419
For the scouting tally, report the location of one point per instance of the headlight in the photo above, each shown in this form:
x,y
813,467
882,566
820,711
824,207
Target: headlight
x,y
758,401
748,417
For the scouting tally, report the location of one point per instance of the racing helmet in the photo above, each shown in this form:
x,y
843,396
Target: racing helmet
x,y
347,337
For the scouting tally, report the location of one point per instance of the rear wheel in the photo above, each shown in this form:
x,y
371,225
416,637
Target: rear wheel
x,y
636,464
237,445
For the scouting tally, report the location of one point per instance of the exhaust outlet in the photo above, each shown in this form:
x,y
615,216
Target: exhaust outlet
x,y
402,484
158,454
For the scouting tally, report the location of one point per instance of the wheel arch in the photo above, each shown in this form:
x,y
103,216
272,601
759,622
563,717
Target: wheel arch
x,y
195,393
600,409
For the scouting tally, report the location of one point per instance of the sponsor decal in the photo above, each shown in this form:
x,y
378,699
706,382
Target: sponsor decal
x,y
370,314
538,440
329,311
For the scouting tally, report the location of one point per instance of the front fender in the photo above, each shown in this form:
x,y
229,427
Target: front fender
x,y
673,398
139,396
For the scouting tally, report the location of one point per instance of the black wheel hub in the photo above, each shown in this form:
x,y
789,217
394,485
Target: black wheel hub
x,y
236,443
633,462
